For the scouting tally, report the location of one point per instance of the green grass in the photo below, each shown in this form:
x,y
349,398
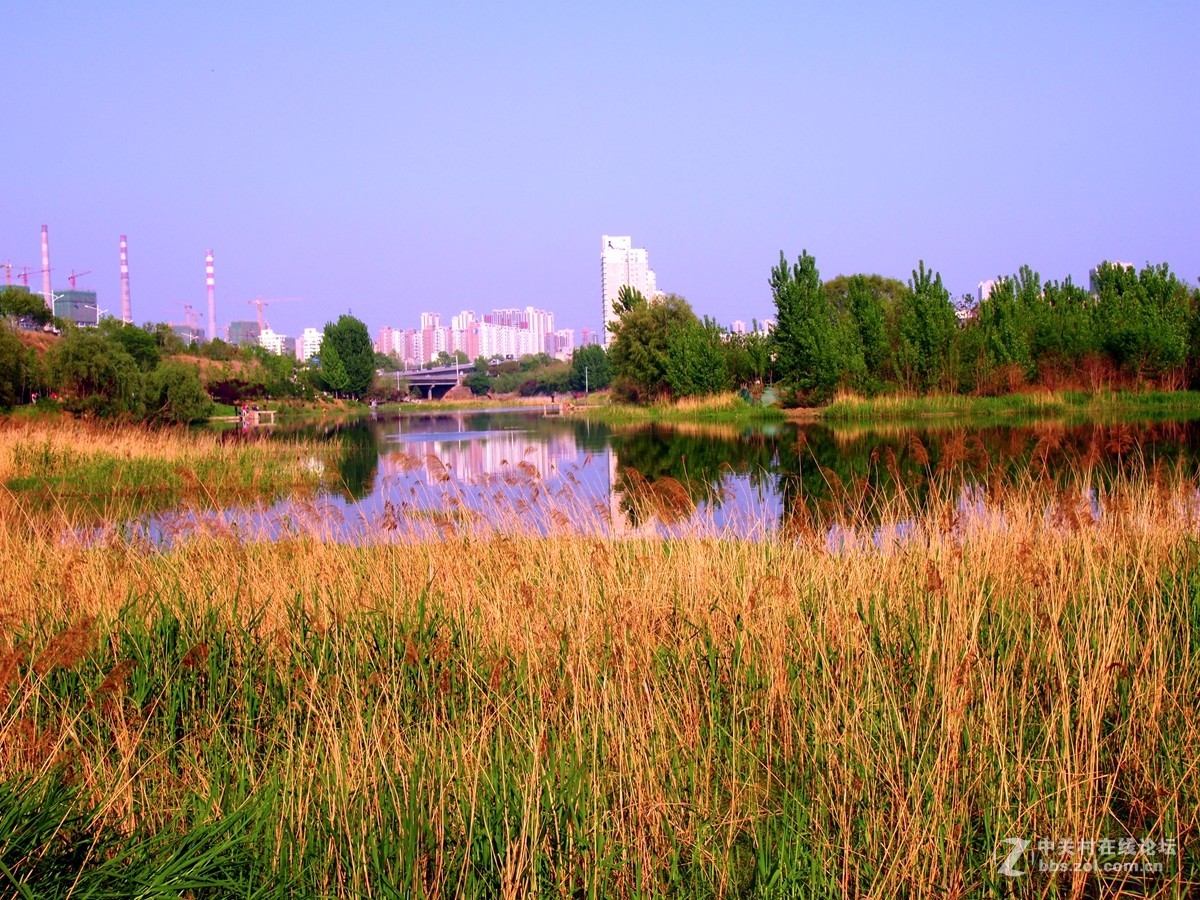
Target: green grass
x,y
403,749
725,408
90,472
1023,405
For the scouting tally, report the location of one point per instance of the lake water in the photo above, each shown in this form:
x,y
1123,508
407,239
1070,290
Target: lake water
x,y
409,476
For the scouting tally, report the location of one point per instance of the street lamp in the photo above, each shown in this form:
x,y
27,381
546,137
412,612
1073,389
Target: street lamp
x,y
585,380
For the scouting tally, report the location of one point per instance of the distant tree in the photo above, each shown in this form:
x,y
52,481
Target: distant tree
x,y
865,303
641,346
333,372
349,339
16,365
220,350
927,325
168,341
628,299
816,345
24,305
137,342
478,382
386,362
173,394
1143,318
1068,331
696,360
96,376
591,369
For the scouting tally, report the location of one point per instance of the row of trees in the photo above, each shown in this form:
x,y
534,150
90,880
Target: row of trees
x,y
873,334
114,370
149,373
663,348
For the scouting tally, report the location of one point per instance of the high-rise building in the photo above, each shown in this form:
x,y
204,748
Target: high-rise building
x,y
622,264
308,344
541,323
985,289
738,327
564,343
272,341
244,334
77,306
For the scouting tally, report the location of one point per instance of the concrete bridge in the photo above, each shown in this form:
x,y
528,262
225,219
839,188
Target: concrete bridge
x,y
434,382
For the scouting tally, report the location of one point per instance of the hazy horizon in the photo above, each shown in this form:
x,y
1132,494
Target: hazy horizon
x,y
393,160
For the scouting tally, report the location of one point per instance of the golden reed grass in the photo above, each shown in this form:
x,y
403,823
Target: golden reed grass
x,y
1033,672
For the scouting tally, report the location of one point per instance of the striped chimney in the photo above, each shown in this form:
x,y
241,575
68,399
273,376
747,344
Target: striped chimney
x,y
46,268
126,308
212,298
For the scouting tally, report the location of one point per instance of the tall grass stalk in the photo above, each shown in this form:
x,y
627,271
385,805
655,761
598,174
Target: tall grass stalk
x,y
572,716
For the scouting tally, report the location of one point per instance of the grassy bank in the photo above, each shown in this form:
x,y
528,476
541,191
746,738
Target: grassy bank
x,y
579,717
90,471
1037,404
719,408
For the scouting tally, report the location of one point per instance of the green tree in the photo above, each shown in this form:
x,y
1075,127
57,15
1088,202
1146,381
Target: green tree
x,y
349,340
95,376
23,304
641,346
927,325
865,305
173,394
816,345
16,365
1068,331
138,342
591,369
1143,318
696,360
168,341
333,372
478,382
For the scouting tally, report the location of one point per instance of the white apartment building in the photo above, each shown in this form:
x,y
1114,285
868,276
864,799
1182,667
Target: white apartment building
x,y
541,323
271,341
308,344
622,264
564,343
505,340
985,289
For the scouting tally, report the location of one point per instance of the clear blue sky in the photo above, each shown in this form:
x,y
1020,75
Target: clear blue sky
x,y
394,157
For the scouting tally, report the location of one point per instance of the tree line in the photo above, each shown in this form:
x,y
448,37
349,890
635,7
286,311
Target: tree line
x,y
149,373
870,335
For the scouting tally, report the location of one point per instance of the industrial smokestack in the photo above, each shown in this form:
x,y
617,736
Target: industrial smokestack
x,y
126,308
46,268
212,301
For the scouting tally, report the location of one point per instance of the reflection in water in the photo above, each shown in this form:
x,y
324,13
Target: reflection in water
x,y
436,474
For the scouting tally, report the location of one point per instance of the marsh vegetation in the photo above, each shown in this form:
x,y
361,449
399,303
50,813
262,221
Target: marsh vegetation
x,y
937,646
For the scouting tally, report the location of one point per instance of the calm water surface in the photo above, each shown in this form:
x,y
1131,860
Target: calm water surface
x,y
519,471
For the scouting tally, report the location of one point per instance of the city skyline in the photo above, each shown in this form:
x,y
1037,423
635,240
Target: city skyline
x,y
389,160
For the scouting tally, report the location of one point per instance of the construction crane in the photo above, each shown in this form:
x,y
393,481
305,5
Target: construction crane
x,y
260,303
190,319
71,278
